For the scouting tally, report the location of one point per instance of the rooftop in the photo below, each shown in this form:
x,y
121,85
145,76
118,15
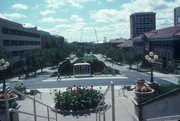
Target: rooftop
x,y
162,33
10,22
80,64
127,43
143,13
118,40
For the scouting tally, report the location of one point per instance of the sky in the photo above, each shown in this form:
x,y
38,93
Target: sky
x,y
82,20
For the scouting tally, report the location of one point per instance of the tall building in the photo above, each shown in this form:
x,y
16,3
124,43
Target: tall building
x,y
177,16
142,22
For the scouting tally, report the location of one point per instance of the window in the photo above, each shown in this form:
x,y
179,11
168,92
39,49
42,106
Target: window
x,y
19,32
5,30
21,42
178,19
6,42
26,42
14,42
15,53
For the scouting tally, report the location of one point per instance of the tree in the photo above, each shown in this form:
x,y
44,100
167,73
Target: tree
x,y
129,59
138,57
172,66
133,56
41,59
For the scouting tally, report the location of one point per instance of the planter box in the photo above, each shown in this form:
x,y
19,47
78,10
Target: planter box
x,y
76,112
143,96
11,101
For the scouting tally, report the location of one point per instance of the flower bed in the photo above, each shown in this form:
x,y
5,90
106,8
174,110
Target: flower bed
x,y
11,99
143,91
9,95
141,86
77,98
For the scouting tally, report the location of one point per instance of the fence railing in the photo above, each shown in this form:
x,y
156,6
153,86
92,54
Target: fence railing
x,y
102,108
34,107
164,118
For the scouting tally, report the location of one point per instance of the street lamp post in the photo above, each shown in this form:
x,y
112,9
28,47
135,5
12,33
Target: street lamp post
x,y
151,58
113,71
3,66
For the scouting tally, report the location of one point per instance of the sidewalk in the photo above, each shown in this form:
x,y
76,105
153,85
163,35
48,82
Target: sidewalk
x,y
173,78
168,77
123,107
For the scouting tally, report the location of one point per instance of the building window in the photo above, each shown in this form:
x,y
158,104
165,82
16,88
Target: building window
x,y
19,33
5,30
178,19
6,42
15,53
21,42
14,42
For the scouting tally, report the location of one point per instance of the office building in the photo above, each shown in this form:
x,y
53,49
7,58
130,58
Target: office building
x,y
177,16
16,39
142,22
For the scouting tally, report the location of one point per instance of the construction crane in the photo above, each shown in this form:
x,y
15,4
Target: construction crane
x,y
96,35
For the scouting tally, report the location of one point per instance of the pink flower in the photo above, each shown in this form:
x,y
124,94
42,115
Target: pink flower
x,y
73,97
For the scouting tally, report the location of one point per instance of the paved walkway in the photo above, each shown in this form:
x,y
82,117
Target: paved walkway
x,y
123,107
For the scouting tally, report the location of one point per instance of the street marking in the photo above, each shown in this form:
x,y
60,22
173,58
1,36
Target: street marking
x,y
85,78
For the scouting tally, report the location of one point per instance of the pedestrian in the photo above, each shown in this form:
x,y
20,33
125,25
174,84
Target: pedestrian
x,y
58,76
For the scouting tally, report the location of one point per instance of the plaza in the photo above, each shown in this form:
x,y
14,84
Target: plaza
x,y
45,84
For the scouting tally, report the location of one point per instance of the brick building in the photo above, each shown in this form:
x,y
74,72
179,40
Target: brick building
x,y
164,42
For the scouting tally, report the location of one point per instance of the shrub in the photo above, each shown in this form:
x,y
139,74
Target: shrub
x,y
77,98
167,88
97,66
86,59
110,70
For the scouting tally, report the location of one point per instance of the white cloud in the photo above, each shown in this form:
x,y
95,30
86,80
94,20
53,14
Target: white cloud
x,y
162,8
78,3
66,30
28,25
105,15
109,0
76,18
73,3
47,12
119,22
112,23
19,6
55,3
12,15
52,20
